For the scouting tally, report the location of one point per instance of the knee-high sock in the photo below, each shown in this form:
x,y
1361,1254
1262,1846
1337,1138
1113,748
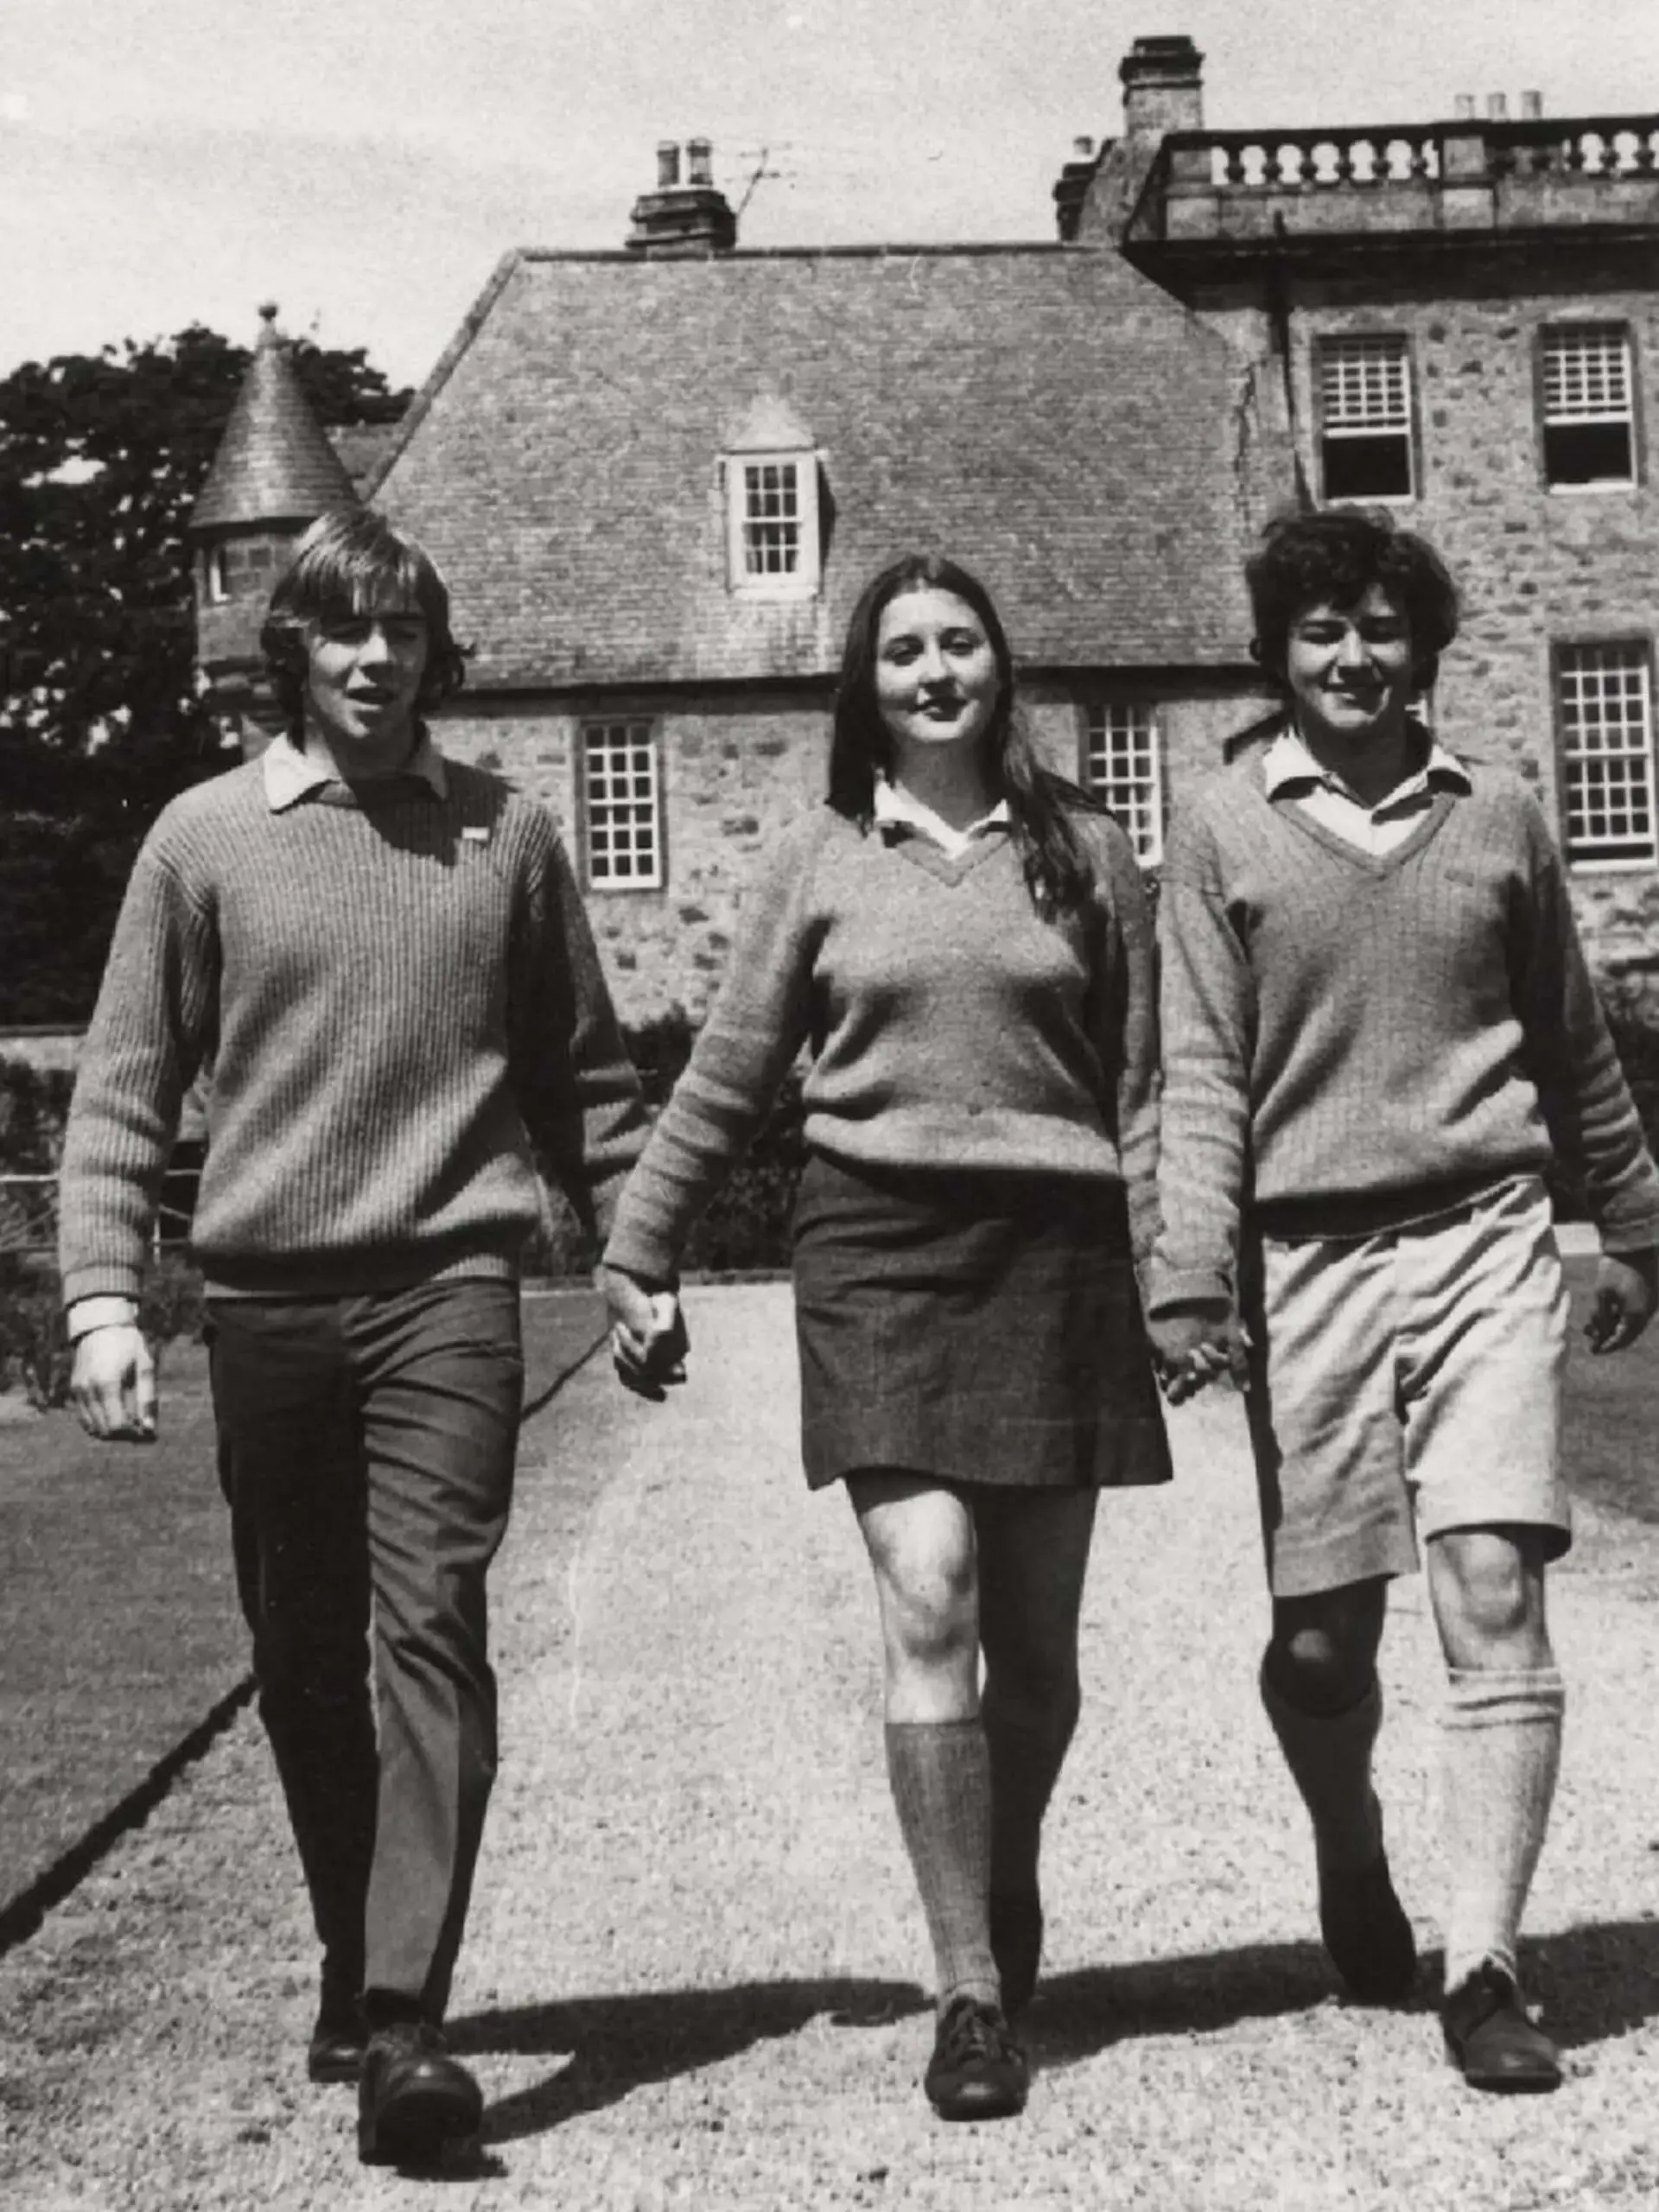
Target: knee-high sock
x,y
940,1772
1329,1755
1027,1750
1501,1752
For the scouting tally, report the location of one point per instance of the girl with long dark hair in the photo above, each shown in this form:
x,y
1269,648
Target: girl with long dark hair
x,y
961,940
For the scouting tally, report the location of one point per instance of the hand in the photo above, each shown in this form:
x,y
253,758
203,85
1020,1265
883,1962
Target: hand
x,y
112,1387
648,1335
1627,1290
1190,1350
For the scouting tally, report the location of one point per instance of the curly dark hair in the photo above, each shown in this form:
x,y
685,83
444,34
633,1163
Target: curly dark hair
x,y
344,563
1040,803
1336,555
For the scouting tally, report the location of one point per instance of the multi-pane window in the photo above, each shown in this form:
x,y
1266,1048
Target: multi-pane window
x,y
621,811
1123,767
773,521
1364,393
1589,417
1605,695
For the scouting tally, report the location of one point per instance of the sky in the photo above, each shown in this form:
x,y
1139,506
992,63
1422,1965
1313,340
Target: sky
x,y
364,163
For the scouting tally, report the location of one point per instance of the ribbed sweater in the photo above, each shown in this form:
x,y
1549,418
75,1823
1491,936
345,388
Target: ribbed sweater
x,y
949,1024
397,995
1352,1039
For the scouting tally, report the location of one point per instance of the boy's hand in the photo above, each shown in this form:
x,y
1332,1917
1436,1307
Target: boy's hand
x,y
1627,1290
648,1336
112,1387
1190,1350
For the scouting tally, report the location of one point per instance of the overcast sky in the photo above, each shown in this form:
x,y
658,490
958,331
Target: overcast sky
x,y
365,162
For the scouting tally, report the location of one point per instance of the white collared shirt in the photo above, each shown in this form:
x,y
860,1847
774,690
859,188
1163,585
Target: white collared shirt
x,y
291,775
901,809
1290,768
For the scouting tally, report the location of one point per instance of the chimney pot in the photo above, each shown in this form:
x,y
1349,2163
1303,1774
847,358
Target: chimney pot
x,y
1462,107
1532,105
668,165
1498,107
698,154
1084,149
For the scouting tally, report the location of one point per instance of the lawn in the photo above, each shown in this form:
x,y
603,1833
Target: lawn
x,y
120,1634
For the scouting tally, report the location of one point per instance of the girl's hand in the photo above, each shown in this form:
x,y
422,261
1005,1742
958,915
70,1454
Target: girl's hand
x,y
1190,1350
1627,1290
648,1336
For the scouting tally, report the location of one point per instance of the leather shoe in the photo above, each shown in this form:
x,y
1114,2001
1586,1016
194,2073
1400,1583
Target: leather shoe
x,y
977,2070
1490,2039
412,2096
335,2051
1016,1946
1366,1932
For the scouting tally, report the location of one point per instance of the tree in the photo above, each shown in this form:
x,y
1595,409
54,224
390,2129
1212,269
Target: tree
x,y
101,459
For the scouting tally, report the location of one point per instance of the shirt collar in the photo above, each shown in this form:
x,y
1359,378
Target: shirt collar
x,y
896,808
1288,761
291,774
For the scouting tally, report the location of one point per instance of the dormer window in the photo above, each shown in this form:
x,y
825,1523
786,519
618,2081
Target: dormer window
x,y
772,506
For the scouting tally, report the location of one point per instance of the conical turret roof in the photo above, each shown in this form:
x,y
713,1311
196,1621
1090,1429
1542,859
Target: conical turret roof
x,y
274,463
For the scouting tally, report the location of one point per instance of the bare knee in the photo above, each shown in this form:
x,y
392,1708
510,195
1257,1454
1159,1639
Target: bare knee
x,y
1487,1587
1322,1657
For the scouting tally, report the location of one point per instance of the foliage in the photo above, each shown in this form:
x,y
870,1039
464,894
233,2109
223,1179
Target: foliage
x,y
746,1226
33,1106
35,1355
101,459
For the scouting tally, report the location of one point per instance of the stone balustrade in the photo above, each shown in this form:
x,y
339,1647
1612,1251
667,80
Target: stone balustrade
x,y
1231,186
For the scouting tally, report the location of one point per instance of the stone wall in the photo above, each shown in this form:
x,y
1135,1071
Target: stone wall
x,y
1538,568
733,776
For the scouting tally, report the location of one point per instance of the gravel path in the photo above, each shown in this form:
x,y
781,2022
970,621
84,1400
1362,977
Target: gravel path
x,y
694,1974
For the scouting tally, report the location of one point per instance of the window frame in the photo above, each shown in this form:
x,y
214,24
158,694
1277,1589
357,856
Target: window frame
x,y
588,728
1399,343
1562,652
1144,823
1581,326
803,581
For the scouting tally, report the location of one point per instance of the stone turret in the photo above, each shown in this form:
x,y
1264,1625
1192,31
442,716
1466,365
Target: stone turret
x,y
274,473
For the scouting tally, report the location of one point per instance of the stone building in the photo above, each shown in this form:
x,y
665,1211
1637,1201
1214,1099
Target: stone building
x,y
658,478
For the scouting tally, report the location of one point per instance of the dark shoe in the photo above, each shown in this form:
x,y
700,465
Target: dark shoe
x,y
977,2070
335,2051
1490,2038
1367,1934
1017,1946
412,2097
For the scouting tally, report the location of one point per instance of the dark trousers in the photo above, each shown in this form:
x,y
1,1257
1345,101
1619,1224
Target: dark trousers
x,y
366,1449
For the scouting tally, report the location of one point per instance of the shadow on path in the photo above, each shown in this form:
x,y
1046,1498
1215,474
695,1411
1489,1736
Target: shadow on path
x,y
1595,1983
621,2044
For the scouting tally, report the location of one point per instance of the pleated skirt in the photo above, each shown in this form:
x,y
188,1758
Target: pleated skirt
x,y
972,1327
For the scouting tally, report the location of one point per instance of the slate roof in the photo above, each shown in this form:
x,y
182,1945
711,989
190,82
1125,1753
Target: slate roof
x,y
1043,414
274,463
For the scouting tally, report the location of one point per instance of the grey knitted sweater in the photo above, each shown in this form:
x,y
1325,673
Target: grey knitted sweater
x,y
949,1024
397,995
1353,1039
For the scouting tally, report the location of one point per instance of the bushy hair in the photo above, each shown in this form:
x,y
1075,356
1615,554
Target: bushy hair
x,y
347,561
1040,803
1336,555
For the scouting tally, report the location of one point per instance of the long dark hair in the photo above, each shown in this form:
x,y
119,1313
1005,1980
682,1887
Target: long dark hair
x,y
1040,803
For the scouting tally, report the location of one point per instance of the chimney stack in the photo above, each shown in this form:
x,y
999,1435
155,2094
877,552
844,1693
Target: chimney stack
x,y
1163,86
1498,107
683,221
1532,106
1463,108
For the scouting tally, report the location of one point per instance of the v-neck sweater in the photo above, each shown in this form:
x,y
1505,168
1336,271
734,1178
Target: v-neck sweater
x,y
949,1024
399,997
1353,1039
